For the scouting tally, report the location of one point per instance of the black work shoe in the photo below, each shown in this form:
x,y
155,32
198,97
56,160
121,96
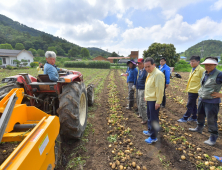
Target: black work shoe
x,y
136,110
197,129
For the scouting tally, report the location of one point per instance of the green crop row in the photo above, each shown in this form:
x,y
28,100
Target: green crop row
x,y
88,64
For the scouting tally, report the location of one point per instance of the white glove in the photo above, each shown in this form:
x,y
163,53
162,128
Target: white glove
x,y
64,70
133,87
122,74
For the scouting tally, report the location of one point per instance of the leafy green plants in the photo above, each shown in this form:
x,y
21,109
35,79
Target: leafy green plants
x,y
112,138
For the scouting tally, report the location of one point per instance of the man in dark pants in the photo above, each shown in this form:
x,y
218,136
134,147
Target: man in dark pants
x,y
208,104
140,86
154,88
166,71
192,88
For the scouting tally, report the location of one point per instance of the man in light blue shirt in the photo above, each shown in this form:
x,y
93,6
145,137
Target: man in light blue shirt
x,y
166,71
50,67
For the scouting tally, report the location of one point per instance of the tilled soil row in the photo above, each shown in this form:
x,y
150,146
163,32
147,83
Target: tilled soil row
x,y
88,153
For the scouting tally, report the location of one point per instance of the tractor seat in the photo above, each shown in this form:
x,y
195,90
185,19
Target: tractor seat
x,y
43,78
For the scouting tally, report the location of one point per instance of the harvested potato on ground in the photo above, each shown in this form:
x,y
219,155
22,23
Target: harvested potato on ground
x,y
199,149
134,164
144,168
113,166
121,167
199,157
183,157
211,163
137,167
213,158
190,155
179,149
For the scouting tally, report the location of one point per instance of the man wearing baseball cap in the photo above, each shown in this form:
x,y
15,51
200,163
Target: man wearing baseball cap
x,y
131,80
140,86
208,104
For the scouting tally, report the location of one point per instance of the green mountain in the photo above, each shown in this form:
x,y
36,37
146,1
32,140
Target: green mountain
x,y
210,47
13,32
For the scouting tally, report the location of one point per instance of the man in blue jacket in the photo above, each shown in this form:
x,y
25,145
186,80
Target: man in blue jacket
x,y
50,67
166,71
140,86
131,80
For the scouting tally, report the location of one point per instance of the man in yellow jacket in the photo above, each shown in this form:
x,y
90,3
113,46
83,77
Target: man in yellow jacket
x,y
193,86
154,89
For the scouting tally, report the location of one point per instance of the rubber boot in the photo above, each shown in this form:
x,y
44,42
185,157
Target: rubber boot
x,y
130,105
197,129
212,140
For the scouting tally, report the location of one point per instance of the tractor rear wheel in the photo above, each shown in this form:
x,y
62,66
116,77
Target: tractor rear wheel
x,y
72,110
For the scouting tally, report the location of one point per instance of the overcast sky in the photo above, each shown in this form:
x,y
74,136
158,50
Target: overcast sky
x,y
121,25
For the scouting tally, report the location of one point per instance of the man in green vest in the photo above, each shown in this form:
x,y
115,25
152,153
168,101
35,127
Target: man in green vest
x,y
208,104
193,86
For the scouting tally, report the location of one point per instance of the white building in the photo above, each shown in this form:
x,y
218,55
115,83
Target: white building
x,y
8,56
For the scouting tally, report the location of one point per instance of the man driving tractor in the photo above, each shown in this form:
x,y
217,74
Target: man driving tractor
x,y
50,67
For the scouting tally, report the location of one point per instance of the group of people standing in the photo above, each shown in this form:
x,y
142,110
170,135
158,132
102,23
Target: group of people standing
x,y
205,84
150,83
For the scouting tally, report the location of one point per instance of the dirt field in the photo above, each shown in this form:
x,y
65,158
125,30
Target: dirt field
x,y
114,134
113,138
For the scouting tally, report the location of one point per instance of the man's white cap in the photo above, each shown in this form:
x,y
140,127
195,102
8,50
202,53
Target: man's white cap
x,y
210,61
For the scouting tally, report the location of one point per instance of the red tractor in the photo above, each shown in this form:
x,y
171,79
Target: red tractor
x,y
68,98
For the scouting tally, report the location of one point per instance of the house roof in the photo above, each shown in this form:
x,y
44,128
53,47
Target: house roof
x,y
117,58
12,53
99,56
125,60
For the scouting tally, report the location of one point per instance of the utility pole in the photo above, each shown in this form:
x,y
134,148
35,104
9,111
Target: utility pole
x,y
202,50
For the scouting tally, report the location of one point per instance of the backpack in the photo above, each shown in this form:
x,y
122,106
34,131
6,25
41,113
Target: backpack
x,y
177,75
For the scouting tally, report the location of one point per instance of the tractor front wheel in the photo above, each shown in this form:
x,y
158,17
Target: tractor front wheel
x,y
90,94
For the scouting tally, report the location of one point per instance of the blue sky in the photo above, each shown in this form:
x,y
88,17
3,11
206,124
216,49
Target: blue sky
x,y
121,25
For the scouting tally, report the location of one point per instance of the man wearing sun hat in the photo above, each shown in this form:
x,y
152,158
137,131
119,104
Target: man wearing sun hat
x,y
140,86
131,80
209,99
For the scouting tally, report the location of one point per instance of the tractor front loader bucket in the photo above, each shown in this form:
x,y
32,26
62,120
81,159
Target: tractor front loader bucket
x,y
36,130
